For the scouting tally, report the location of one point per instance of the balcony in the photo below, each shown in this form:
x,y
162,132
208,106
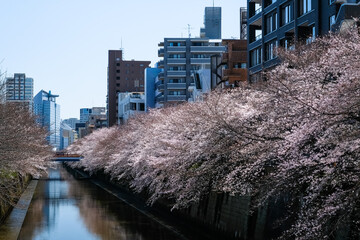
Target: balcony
x,y
181,73
161,52
159,98
200,60
160,87
235,74
176,86
176,49
257,11
176,98
161,44
161,76
207,49
344,19
258,37
176,61
161,64
235,71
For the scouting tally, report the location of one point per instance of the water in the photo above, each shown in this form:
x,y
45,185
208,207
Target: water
x,y
66,208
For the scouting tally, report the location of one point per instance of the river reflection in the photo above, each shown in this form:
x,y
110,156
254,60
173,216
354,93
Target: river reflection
x,y
66,208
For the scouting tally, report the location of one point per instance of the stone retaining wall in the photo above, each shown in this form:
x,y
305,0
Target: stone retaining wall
x,y
5,207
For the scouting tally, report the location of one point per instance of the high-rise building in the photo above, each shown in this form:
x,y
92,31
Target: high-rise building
x,y
20,89
182,57
48,115
71,122
274,23
84,114
67,135
212,22
123,76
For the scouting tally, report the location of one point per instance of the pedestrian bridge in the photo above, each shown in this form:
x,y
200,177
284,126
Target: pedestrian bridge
x,y
66,157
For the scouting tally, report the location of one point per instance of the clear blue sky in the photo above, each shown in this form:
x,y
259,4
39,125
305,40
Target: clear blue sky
x,y
63,44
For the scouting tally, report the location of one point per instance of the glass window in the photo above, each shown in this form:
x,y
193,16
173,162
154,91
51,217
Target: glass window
x,y
312,36
286,14
304,6
177,92
270,50
271,22
133,106
141,107
255,57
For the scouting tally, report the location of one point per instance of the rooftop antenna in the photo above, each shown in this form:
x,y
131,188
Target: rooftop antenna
x,y
122,50
213,3
189,30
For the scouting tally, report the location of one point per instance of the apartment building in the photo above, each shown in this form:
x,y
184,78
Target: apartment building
x,y
20,89
182,57
123,76
284,23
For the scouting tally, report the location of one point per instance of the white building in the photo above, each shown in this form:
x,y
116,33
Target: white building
x,y
201,85
130,104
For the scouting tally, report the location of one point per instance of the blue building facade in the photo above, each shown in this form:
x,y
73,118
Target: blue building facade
x,y
273,23
151,76
84,114
48,116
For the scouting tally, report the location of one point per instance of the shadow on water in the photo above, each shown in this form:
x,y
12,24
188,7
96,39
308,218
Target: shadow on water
x,y
66,208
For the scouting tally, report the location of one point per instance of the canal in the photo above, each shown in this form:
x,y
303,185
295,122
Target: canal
x,y
66,208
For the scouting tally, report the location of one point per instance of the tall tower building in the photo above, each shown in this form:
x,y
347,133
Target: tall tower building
x,y
48,115
212,22
123,76
20,89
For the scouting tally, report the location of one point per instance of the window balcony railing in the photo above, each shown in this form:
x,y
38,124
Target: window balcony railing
x,y
257,11
258,37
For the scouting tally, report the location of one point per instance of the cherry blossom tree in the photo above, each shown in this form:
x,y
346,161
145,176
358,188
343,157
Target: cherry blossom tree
x,y
297,134
23,149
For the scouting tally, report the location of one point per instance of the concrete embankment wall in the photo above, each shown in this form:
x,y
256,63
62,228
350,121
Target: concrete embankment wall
x,y
5,206
234,218
230,217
